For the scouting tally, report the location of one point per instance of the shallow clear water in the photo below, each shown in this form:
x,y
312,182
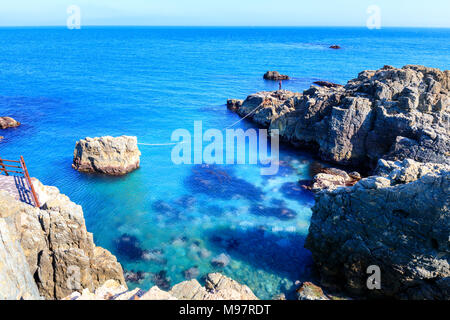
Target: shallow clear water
x,y
65,85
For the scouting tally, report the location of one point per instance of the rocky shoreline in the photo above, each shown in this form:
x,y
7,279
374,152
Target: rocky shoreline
x,y
347,125
393,124
47,253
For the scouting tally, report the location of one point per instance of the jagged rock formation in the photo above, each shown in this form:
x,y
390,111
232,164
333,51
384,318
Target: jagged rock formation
x,y
108,155
398,220
389,113
7,122
218,287
16,281
60,254
264,107
275,75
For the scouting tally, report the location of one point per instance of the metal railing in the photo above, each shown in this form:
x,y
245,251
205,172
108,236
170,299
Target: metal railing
x,y
5,166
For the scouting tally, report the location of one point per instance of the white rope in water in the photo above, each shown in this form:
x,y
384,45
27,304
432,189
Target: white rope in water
x,y
242,119
160,144
175,143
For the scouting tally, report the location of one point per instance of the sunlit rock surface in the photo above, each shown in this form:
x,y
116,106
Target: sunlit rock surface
x,y
108,155
398,220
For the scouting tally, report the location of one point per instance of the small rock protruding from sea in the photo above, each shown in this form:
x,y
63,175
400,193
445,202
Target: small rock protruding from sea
x,y
7,122
107,155
335,47
275,75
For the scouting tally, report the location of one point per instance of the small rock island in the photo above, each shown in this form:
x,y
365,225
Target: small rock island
x,y
107,155
275,75
8,122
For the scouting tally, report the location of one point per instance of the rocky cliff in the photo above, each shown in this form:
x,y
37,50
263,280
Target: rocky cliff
x,y
348,125
108,155
398,220
48,251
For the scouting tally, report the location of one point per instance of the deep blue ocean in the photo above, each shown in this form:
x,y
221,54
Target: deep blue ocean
x,y
64,85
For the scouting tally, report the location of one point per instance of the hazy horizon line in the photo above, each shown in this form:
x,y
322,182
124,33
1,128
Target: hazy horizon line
x,y
221,26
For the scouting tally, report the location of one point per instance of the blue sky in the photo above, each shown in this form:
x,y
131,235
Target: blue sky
x,y
418,13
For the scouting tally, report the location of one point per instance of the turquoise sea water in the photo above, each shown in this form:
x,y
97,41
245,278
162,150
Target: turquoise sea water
x,y
64,85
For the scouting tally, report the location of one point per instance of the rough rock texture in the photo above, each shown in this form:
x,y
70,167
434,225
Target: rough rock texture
x,y
309,291
60,253
275,75
331,178
264,107
16,281
7,122
218,287
112,156
348,125
398,220
327,84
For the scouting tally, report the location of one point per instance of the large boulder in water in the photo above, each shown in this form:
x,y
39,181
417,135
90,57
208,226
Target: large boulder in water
x,y
7,122
108,155
398,220
275,75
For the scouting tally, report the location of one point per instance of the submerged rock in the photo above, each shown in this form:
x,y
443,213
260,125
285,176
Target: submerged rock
x,y
221,261
296,191
281,212
275,75
7,122
398,220
191,273
129,247
390,113
161,280
60,254
135,276
108,155
220,182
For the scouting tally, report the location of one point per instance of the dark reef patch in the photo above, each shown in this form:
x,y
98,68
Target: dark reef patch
x,y
161,280
129,247
295,191
219,182
280,212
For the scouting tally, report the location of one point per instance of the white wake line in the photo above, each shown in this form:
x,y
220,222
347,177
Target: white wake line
x,y
175,143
